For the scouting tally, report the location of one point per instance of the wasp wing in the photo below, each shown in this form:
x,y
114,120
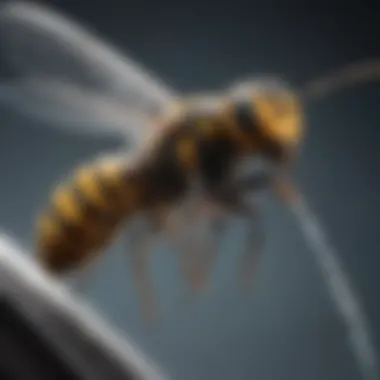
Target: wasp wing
x,y
70,107
41,43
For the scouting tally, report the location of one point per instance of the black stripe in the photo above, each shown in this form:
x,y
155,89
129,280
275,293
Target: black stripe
x,y
167,176
214,157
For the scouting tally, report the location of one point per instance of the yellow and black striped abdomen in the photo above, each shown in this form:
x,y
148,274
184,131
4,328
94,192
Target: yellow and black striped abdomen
x,y
85,213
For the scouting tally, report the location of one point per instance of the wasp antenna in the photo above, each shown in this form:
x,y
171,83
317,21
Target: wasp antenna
x,y
347,76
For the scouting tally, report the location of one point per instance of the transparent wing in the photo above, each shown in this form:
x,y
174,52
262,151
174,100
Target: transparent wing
x,y
41,43
68,106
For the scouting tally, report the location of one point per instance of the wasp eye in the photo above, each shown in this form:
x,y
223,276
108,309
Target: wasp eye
x,y
244,116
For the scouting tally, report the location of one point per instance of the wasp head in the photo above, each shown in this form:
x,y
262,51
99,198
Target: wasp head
x,y
273,112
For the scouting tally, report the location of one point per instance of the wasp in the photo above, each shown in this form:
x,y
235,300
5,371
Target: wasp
x,y
181,154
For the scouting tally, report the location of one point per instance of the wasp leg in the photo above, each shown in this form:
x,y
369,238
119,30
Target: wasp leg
x,y
193,266
182,229
140,255
218,223
175,230
254,240
210,220
285,190
253,247
232,198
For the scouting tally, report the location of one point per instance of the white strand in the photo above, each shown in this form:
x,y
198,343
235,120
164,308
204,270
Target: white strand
x,y
339,284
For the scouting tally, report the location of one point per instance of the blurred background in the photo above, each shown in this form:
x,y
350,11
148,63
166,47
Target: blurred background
x,y
287,327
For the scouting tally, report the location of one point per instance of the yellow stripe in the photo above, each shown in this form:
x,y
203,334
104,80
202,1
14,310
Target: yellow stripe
x,y
89,185
66,205
48,228
113,173
111,170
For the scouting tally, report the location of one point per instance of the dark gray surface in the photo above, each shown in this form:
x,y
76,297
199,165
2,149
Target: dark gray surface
x,y
75,336
21,343
287,328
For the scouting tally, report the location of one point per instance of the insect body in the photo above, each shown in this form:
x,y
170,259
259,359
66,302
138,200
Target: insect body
x,y
180,146
197,144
